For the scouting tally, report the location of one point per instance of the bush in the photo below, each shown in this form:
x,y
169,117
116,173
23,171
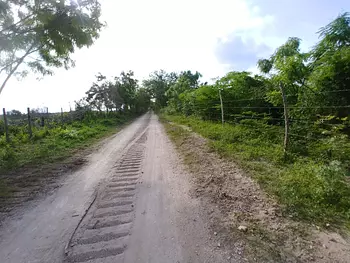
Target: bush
x,y
68,134
38,134
8,157
107,122
335,148
317,193
3,141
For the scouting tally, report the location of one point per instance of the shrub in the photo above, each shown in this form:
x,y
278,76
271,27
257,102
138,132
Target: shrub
x,y
315,192
8,156
68,134
40,134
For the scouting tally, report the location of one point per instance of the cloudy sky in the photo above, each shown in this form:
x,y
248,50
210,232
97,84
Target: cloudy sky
x,y
210,36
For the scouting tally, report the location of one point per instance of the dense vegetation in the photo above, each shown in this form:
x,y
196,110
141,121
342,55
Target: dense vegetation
x,y
311,181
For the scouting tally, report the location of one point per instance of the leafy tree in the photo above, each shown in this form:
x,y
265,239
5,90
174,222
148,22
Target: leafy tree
x,y
98,95
142,101
126,86
158,84
43,34
122,93
330,77
287,66
240,91
185,81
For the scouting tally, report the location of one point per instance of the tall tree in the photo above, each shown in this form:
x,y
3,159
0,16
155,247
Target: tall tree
x,y
98,95
288,65
39,35
330,61
126,85
185,81
142,100
158,84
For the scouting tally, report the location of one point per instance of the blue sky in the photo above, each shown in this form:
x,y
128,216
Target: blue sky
x,y
298,18
212,37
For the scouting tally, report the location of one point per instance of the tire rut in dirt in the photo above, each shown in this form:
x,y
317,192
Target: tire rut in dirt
x,y
103,233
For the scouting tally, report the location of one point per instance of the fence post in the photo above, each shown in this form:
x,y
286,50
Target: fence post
x,y
47,117
286,121
6,126
29,124
61,115
222,108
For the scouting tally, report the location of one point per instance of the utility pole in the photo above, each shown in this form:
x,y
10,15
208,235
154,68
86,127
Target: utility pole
x,y
222,108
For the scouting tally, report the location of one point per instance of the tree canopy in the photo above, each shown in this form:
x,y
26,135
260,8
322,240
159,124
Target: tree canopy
x,y
121,93
40,35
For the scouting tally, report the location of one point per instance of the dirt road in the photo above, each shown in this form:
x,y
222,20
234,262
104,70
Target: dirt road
x,y
129,203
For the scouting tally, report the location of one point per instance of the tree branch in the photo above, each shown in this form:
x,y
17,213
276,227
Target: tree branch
x,y
20,21
9,65
29,51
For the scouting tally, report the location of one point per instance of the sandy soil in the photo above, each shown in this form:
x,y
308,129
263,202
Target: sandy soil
x,y
130,202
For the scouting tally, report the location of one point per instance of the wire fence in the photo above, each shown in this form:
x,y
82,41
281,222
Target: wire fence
x,y
13,122
303,122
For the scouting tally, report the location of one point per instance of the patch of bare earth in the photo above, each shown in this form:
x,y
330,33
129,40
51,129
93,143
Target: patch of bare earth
x,y
243,216
32,181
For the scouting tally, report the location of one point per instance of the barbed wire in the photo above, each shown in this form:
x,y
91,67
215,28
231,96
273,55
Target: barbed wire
x,y
287,95
217,106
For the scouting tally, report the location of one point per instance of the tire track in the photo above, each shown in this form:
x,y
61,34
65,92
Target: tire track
x,y
103,234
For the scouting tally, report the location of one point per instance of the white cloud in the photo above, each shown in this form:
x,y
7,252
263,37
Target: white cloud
x,y
143,36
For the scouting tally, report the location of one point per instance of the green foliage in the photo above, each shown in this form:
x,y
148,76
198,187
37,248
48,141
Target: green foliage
x,y
43,34
50,144
186,80
68,134
158,84
123,94
316,192
239,90
314,189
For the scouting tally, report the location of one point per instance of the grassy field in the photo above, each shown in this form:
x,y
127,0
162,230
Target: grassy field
x,y
52,145
48,145
308,187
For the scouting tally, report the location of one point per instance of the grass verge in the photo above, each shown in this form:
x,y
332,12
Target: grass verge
x,y
309,189
50,145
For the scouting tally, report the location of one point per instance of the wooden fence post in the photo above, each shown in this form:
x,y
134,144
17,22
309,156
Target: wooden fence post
x,y
6,126
222,108
286,121
29,124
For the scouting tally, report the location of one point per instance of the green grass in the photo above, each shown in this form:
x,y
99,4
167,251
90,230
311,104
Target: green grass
x,y
50,145
309,186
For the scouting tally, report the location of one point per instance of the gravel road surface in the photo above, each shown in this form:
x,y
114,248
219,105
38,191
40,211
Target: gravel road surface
x,y
129,203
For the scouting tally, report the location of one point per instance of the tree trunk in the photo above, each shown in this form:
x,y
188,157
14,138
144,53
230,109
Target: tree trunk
x,y
286,121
